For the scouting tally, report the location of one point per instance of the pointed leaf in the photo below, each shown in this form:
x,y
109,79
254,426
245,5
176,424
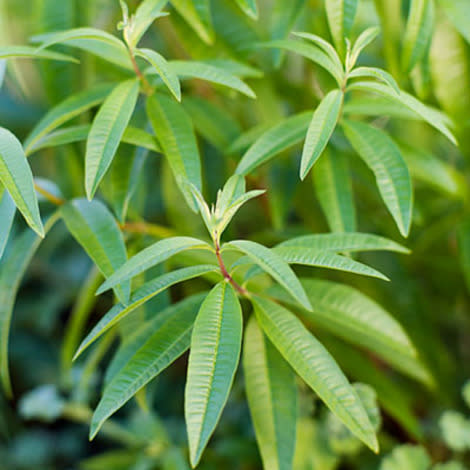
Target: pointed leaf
x,y
197,14
169,338
213,361
143,294
458,13
373,72
16,176
272,397
321,127
28,52
340,14
280,137
164,70
249,7
7,214
175,132
274,265
384,158
316,366
106,132
147,12
151,256
363,40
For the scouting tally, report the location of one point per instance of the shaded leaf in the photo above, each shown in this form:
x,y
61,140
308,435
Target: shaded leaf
x,y
197,14
249,7
7,214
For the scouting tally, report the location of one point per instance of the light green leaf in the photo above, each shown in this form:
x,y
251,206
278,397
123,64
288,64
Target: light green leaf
x,y
340,15
373,72
16,176
233,189
166,339
213,361
197,14
363,40
280,137
96,41
71,107
164,70
143,294
210,73
7,214
433,117
272,397
12,269
93,226
376,105
333,187
28,52
459,14
384,158
249,7
418,33
147,12
106,132
175,132
316,366
321,127
455,430
151,256
274,265
406,456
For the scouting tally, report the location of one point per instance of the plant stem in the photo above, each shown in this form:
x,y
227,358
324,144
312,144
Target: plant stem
x,y
58,201
224,271
147,87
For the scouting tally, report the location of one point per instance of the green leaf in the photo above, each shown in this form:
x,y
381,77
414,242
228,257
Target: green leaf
x,y
406,456
166,338
384,158
210,73
455,430
71,107
143,294
433,117
213,361
373,72
418,33
463,234
106,132
147,12
363,40
316,366
16,176
151,256
93,226
458,13
340,15
12,269
333,187
321,127
28,52
7,214
280,137
249,7
95,41
163,69
175,132
272,397
197,14
274,265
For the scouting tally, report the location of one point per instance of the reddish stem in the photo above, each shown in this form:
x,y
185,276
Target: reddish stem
x,y
224,271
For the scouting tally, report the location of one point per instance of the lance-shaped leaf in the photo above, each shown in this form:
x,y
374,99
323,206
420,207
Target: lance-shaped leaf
x,y
96,41
333,187
316,366
143,294
106,132
433,117
7,214
363,40
71,107
175,132
373,72
147,12
151,256
287,133
384,158
459,14
418,32
210,73
249,7
12,269
162,67
274,265
93,226
321,127
28,52
197,14
340,15
165,339
272,397
16,176
350,315
213,361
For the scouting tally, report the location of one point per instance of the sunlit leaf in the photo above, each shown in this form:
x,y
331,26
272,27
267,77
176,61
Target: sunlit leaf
x,y
197,13
340,14
249,7
147,12
373,72
28,52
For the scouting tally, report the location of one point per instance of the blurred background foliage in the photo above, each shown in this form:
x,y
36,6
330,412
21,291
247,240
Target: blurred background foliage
x,y
45,425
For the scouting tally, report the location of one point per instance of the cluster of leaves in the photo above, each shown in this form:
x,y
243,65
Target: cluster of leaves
x,y
291,325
